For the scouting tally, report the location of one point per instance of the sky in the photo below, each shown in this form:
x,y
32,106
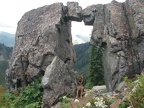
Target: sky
x,y
11,12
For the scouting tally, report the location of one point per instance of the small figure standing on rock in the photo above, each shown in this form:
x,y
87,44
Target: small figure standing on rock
x,y
80,87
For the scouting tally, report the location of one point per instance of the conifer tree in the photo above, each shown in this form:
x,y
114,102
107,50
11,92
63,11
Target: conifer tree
x,y
96,74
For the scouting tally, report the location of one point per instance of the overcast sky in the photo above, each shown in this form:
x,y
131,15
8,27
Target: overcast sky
x,y
12,10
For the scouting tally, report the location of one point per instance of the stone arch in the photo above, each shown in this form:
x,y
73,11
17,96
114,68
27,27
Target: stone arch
x,y
44,44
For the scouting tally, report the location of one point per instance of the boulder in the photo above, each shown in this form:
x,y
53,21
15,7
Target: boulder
x,y
74,11
121,87
56,106
43,42
88,15
57,81
142,73
98,89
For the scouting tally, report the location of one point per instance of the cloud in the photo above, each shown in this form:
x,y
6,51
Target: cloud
x,y
5,25
11,30
81,29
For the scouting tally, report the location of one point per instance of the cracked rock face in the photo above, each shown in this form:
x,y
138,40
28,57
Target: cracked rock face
x,y
44,48
119,29
44,45
57,81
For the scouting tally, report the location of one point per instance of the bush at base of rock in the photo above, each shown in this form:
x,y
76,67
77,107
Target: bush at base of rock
x,y
30,97
65,102
136,95
124,105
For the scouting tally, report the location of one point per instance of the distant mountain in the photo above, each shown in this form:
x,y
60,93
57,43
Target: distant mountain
x,y
79,39
7,39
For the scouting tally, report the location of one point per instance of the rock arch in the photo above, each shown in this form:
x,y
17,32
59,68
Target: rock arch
x,y
44,45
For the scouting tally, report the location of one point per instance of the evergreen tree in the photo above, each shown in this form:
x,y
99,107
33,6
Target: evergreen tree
x,y
96,74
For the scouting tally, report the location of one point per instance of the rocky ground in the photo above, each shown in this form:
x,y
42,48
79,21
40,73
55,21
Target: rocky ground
x,y
89,94
98,92
80,101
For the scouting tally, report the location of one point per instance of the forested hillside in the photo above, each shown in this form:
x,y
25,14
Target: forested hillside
x,y
5,53
89,64
81,66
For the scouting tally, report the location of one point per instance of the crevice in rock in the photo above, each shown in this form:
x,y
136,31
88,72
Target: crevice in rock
x,y
66,60
19,83
58,27
42,73
68,41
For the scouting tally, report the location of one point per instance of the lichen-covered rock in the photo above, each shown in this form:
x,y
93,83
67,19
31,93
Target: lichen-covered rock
x,y
44,45
74,11
89,14
57,81
119,28
43,37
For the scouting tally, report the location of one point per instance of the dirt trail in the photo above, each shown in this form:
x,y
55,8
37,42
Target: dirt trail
x,y
82,101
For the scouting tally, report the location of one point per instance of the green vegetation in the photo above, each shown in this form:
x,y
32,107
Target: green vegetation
x,y
81,66
65,102
124,105
30,97
136,94
89,64
134,97
96,71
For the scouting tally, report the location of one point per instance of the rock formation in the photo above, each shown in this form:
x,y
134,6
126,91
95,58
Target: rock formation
x,y
119,29
44,48
44,45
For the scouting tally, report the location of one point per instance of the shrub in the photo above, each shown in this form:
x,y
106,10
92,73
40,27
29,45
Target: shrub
x,y
2,89
6,100
30,97
136,95
34,105
65,102
124,105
